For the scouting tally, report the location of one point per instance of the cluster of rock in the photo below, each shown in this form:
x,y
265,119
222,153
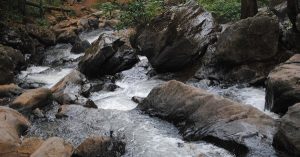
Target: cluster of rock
x,y
247,51
13,125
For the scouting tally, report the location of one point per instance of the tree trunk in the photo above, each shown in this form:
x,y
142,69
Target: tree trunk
x,y
249,8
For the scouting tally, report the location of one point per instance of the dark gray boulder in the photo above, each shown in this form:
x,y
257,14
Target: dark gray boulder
x,y
177,38
239,128
107,56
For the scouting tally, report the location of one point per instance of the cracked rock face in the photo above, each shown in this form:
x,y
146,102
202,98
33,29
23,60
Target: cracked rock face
x,y
239,128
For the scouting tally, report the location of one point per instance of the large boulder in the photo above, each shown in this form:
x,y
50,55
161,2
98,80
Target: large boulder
x,y
45,36
68,90
176,38
287,138
12,126
11,60
99,146
54,146
283,88
246,51
107,56
249,40
32,99
239,128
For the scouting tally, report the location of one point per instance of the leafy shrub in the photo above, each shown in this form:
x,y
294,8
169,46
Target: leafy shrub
x,y
140,12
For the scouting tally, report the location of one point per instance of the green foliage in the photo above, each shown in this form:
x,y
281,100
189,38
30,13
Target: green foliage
x,y
107,8
42,22
227,10
140,12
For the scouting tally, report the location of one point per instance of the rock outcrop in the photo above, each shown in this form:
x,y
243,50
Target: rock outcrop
x,y
99,146
107,56
32,99
12,126
287,138
11,61
241,129
283,89
176,38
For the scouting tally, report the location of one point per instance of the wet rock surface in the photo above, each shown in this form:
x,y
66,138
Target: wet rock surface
x,y
68,90
242,129
31,99
283,88
108,55
176,38
287,138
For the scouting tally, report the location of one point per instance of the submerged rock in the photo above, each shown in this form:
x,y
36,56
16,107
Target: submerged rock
x,y
12,126
287,138
241,129
54,146
11,60
283,89
99,146
32,99
108,55
176,38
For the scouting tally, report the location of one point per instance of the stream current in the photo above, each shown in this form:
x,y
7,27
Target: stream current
x,y
145,136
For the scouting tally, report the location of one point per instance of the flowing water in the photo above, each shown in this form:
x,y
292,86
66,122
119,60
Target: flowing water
x,y
145,136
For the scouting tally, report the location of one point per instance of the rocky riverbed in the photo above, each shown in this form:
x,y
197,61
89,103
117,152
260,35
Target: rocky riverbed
x,y
183,85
